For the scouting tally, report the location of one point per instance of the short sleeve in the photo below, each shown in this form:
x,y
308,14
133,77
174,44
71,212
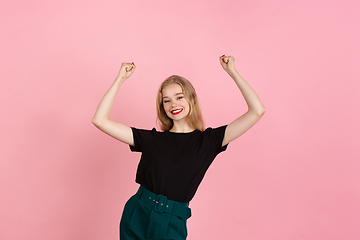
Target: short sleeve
x,y
140,137
215,137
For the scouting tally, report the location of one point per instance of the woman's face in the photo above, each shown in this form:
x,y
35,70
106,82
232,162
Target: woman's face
x,y
175,105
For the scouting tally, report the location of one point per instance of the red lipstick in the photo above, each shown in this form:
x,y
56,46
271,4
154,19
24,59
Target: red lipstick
x,y
176,111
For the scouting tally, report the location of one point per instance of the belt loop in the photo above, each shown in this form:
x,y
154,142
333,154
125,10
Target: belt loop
x,y
174,208
140,191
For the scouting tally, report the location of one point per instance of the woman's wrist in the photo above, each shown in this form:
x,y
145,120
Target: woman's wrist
x,y
120,80
232,72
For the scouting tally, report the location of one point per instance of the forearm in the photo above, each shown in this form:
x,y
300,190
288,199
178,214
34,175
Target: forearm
x,y
252,100
105,105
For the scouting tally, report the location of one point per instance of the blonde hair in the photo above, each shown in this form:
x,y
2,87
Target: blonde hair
x,y
194,117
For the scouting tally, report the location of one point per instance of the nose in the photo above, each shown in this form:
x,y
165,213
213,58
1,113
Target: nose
x,y
173,104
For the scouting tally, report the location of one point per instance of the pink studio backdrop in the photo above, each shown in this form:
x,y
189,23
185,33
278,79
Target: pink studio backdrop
x,y
294,175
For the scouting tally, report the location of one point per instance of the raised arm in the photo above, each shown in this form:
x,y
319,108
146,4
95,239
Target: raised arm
x,y
101,118
255,107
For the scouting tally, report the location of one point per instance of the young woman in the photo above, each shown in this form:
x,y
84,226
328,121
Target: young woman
x,y
174,160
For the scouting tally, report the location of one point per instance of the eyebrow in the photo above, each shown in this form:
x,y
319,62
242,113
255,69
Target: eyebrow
x,y
175,95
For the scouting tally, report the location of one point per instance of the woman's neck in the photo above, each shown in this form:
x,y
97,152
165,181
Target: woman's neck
x,y
181,127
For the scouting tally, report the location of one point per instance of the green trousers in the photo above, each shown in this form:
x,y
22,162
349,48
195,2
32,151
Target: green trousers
x,y
148,216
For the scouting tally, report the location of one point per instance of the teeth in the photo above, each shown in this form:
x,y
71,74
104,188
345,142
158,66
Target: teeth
x,y
176,111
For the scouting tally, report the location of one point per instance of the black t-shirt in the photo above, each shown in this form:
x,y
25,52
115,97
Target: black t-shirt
x,y
174,164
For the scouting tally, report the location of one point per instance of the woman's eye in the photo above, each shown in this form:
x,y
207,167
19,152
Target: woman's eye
x,y
166,101
179,98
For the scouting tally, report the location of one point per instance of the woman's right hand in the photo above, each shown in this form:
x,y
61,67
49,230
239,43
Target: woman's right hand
x,y
126,70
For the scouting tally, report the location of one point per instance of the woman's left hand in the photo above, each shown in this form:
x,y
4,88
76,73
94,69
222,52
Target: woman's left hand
x,y
227,62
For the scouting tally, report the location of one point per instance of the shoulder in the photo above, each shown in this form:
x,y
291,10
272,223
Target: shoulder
x,y
144,132
211,130
213,137
143,137
214,134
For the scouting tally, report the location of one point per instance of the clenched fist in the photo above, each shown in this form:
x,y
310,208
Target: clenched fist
x,y
126,70
227,62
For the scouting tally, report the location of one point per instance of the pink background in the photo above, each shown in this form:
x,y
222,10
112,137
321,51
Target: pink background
x,y
294,175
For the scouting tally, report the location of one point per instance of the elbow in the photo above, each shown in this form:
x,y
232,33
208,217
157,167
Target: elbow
x,y
258,111
99,122
262,111
95,121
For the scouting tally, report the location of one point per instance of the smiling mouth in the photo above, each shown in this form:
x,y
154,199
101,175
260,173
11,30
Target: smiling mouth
x,y
176,111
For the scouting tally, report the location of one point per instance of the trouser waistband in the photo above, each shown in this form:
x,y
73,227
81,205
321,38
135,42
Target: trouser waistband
x,y
162,204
